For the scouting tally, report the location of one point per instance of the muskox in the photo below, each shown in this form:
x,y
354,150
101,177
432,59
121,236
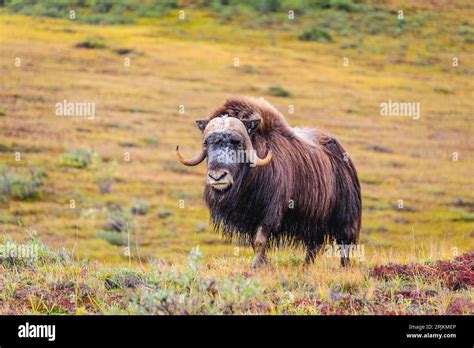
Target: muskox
x,y
270,184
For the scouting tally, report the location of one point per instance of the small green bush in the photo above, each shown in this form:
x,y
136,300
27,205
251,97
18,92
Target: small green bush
x,y
139,207
152,141
344,5
96,42
123,279
21,184
315,34
278,91
119,225
265,6
120,220
156,8
104,174
114,238
79,158
164,213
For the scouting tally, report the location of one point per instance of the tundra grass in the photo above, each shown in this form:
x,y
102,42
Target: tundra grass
x,y
59,283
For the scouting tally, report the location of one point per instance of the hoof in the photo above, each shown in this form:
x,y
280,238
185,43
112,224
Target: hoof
x,y
260,263
345,262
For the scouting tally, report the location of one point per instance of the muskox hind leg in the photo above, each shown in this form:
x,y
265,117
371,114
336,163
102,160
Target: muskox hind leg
x,y
259,245
344,249
311,253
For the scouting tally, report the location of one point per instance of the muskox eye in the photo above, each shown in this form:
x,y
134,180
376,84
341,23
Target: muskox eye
x,y
236,143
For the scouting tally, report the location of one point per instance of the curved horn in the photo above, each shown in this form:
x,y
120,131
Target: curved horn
x,y
193,161
257,161
263,162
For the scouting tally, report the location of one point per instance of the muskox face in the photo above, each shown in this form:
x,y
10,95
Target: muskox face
x,y
228,147
225,156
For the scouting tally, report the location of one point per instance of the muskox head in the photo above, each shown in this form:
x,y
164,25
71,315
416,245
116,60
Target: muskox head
x,y
227,145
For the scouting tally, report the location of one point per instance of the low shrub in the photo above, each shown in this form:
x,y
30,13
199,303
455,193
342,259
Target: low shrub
x,y
164,213
119,226
315,34
113,237
96,42
104,174
21,184
79,158
278,91
139,207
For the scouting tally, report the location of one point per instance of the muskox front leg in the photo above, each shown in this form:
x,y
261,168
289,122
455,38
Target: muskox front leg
x,y
259,245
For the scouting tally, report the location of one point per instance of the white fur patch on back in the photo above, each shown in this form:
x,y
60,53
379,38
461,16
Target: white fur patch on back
x,y
308,135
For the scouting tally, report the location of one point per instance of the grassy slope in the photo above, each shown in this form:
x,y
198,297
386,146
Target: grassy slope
x,y
190,63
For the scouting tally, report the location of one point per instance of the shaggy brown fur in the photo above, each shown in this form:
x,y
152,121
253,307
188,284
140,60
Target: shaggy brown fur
x,y
309,168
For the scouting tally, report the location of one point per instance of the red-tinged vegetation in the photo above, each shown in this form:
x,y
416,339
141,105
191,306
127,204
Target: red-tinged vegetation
x,y
455,274
460,306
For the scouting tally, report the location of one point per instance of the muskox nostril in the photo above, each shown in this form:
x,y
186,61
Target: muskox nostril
x,y
217,176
